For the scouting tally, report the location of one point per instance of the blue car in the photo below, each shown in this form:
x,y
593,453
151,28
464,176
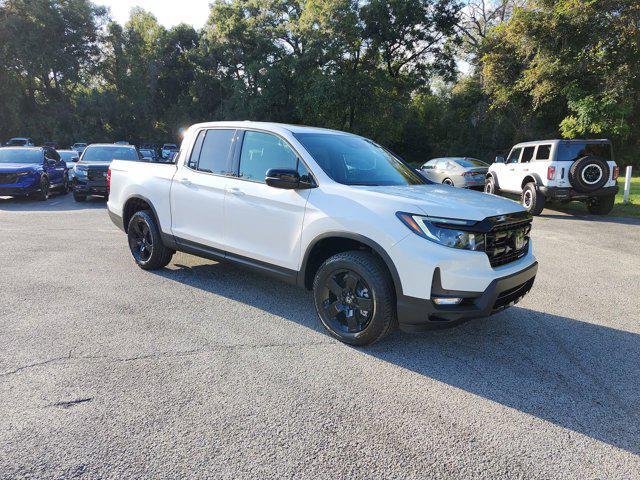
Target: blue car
x,y
33,171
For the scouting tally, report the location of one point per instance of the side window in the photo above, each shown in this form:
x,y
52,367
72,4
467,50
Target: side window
x,y
544,152
195,152
527,154
514,155
429,165
263,151
214,154
441,165
303,171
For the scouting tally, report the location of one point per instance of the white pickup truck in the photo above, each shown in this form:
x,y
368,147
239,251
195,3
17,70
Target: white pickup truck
x,y
377,242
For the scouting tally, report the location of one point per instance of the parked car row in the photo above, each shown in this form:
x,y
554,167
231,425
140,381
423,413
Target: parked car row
x,y
539,172
26,170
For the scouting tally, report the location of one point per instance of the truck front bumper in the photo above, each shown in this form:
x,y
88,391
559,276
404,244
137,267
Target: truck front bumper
x,y
90,187
418,314
559,193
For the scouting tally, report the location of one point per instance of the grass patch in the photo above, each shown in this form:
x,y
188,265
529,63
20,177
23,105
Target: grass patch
x,y
631,209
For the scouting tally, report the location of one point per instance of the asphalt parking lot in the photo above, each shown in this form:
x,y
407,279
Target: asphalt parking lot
x,y
208,370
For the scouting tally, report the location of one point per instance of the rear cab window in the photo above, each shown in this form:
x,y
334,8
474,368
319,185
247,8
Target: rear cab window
x,y
211,151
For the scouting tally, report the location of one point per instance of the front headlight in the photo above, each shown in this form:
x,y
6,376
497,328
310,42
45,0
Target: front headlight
x,y
25,174
79,172
449,232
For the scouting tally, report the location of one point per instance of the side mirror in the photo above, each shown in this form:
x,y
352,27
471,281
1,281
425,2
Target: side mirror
x,y
499,159
287,179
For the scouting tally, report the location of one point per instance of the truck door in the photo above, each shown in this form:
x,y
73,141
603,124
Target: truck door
x,y
264,223
198,190
507,179
523,168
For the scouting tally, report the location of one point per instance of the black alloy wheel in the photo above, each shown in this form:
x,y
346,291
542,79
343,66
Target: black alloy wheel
x,y
347,303
140,240
45,189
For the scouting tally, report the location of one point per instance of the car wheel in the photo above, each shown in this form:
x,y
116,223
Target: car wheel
x,y
601,205
490,186
448,181
354,297
532,199
145,242
78,197
65,186
45,189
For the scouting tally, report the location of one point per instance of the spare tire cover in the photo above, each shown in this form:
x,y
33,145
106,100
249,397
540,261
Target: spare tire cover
x,y
589,173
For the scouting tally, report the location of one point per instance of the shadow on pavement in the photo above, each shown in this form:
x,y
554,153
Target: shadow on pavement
x,y
56,203
551,212
578,375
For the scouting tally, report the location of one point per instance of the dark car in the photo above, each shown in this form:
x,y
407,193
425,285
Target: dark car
x,y
20,142
149,154
34,171
90,173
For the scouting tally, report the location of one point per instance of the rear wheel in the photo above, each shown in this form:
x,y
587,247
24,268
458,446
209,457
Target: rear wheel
x,y
354,297
532,199
490,186
145,242
65,185
79,197
448,181
601,205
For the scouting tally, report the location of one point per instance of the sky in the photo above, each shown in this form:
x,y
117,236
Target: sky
x,y
168,12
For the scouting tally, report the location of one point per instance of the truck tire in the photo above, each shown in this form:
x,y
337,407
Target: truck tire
x,y
354,297
601,205
79,197
145,242
490,186
589,173
532,199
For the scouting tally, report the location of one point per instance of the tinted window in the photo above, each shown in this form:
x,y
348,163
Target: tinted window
x,y
568,152
195,153
261,152
430,165
544,152
18,155
470,162
214,154
353,160
527,155
107,153
514,155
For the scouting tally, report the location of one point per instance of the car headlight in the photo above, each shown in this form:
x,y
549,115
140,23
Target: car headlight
x,y
80,172
25,174
449,232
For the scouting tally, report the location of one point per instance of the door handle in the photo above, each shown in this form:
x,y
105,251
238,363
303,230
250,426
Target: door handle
x,y
235,191
511,169
185,181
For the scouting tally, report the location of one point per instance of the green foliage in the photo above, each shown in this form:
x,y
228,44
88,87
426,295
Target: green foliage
x,y
384,69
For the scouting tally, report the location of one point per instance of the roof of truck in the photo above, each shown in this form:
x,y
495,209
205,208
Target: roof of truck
x,y
563,140
271,126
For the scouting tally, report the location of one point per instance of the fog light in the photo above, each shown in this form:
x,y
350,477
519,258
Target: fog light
x,y
447,300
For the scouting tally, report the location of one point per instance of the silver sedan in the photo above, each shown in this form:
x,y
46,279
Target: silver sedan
x,y
462,172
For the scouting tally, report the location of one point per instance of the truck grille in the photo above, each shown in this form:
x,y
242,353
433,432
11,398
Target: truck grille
x,y
100,175
7,178
507,243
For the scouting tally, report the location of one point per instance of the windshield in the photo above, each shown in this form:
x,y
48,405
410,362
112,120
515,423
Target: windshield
x,y
568,152
17,142
11,155
355,160
67,156
97,154
470,162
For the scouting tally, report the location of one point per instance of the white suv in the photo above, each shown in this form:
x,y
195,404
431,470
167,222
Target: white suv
x,y
335,213
557,170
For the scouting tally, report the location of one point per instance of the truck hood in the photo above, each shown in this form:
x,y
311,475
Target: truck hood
x,y
18,167
444,201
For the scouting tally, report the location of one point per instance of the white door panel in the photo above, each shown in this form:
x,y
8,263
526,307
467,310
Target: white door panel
x,y
197,207
264,223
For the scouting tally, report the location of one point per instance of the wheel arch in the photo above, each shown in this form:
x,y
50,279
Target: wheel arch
x,y
532,177
495,178
331,243
134,204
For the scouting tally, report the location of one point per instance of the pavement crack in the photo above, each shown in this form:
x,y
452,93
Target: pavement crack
x,y
36,364
71,403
